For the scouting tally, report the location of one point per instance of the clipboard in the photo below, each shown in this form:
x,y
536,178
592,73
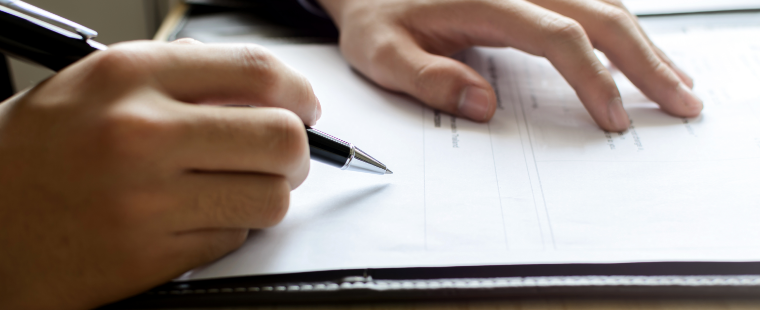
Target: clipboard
x,y
644,279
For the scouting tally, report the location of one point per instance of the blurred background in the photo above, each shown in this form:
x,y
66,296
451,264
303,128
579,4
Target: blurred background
x,y
114,20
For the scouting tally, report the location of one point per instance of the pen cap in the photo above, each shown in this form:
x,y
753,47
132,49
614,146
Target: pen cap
x,y
28,38
42,15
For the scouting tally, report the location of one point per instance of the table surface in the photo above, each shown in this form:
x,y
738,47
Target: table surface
x,y
174,19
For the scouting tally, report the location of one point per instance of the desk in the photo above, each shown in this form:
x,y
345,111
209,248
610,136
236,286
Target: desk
x,y
170,28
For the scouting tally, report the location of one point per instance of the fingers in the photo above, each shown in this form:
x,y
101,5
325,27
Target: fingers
x,y
399,63
562,41
225,74
615,32
683,75
401,54
262,140
169,137
441,82
214,200
569,50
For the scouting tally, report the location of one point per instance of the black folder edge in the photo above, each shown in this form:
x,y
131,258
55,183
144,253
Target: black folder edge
x,y
625,280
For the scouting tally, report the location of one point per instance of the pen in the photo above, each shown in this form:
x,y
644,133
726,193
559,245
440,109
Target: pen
x,y
341,154
33,34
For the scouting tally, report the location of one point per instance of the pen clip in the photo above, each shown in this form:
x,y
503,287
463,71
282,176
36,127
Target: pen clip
x,y
35,12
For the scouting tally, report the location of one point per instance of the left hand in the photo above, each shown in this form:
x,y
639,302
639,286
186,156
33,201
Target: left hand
x,y
402,45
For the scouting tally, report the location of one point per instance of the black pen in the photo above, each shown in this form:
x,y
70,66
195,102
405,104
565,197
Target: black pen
x,y
30,33
338,153
33,34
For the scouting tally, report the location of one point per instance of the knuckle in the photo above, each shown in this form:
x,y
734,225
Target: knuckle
x,y
561,29
272,80
660,69
258,63
427,76
287,138
616,18
134,133
385,51
439,82
118,65
423,73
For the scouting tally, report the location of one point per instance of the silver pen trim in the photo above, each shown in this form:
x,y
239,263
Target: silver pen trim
x,y
360,161
351,156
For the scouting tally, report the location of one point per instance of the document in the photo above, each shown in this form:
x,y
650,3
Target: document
x,y
540,183
652,7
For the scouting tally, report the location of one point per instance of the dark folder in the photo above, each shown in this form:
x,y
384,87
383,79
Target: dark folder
x,y
645,279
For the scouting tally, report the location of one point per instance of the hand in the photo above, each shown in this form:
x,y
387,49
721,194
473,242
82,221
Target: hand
x,y
113,180
402,44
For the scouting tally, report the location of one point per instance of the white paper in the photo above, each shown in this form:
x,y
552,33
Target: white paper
x,y
540,183
650,7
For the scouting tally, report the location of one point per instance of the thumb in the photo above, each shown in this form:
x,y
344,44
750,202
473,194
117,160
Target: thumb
x,y
440,82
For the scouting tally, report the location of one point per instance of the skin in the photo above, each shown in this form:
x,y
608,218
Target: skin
x,y
403,46
113,179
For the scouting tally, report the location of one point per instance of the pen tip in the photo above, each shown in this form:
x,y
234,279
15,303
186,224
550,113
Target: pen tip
x,y
388,171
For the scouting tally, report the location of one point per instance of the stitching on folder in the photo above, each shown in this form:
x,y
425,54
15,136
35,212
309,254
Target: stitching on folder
x,y
390,285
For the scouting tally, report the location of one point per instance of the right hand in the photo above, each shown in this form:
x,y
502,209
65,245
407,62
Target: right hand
x,y
113,179
404,45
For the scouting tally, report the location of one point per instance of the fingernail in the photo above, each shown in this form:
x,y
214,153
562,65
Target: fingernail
x,y
187,41
618,117
319,110
689,99
473,103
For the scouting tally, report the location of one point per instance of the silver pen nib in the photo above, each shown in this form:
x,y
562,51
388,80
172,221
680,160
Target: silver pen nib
x,y
362,162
